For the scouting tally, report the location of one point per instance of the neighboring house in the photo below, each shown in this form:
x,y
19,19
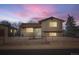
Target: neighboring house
x,y
3,30
47,27
10,31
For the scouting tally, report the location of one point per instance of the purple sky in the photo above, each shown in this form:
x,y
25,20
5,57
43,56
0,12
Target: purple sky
x,y
26,12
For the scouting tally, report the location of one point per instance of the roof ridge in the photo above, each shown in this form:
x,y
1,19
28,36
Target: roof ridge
x,y
51,18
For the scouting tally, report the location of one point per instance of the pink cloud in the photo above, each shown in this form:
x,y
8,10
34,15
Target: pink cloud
x,y
20,14
38,10
34,11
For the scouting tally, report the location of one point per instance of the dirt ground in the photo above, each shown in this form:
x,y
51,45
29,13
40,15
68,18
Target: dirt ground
x,y
52,45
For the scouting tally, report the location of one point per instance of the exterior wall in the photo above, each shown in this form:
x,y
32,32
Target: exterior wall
x,y
45,25
24,33
3,31
60,34
3,34
45,28
37,32
33,34
47,34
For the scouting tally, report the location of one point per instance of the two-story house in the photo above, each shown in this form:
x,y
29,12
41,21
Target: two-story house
x,y
47,27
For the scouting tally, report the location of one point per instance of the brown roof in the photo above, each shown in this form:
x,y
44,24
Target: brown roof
x,y
35,25
51,19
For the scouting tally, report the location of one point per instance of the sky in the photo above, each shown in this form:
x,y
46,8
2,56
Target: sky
x,y
27,12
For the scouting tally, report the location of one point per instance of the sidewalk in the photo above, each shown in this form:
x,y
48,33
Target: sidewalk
x,y
40,46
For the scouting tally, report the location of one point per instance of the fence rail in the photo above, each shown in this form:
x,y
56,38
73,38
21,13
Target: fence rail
x,y
39,40
42,38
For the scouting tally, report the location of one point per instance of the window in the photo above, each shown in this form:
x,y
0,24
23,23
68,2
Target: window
x,y
38,31
14,31
29,29
11,31
53,24
52,34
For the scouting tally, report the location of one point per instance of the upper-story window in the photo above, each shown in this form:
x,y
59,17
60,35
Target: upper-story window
x,y
53,24
29,30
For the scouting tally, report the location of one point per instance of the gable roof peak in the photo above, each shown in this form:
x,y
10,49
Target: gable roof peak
x,y
51,19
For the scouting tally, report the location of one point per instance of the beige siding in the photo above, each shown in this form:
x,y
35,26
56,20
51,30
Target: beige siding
x,y
45,26
24,33
34,33
47,34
